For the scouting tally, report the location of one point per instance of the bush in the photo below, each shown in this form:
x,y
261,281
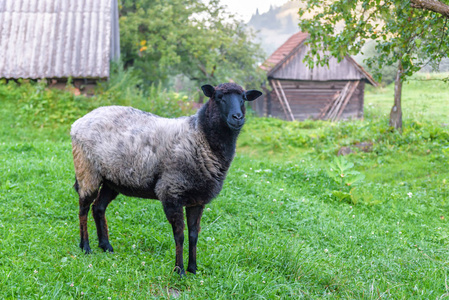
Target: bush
x,y
48,113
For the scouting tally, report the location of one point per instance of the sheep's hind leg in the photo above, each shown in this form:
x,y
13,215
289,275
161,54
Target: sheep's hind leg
x,y
84,206
105,196
193,222
175,217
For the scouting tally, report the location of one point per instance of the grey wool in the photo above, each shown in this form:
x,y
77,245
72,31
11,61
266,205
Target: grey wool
x,y
140,151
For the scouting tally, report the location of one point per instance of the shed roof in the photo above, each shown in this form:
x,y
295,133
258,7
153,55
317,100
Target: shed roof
x,y
57,38
287,63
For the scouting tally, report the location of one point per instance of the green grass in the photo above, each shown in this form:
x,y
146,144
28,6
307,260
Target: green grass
x,y
277,230
424,97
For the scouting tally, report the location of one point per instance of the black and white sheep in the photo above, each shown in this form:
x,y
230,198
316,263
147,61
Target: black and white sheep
x,y
181,162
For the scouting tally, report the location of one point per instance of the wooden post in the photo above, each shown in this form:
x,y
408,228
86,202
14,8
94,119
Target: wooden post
x,y
348,96
266,106
286,101
337,103
279,97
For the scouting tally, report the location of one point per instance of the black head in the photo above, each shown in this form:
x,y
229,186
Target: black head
x,y
230,99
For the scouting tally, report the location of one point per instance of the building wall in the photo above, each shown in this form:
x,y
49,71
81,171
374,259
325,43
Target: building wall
x,y
294,68
308,98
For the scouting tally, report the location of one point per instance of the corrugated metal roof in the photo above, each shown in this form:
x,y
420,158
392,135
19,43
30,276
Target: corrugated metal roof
x,y
55,38
286,63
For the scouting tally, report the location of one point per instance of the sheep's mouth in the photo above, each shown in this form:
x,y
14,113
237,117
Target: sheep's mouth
x,y
236,126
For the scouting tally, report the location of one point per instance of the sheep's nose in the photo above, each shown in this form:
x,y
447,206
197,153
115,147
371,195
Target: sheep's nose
x,y
237,116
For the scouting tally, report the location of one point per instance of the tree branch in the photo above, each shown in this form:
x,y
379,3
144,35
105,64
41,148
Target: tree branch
x,y
432,5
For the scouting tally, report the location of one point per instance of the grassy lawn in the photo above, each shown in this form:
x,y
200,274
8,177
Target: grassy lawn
x,y
285,226
425,97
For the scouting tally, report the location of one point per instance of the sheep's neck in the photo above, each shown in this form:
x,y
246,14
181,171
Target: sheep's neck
x,y
222,140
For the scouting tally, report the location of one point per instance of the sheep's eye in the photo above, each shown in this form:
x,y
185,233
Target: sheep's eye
x,y
220,97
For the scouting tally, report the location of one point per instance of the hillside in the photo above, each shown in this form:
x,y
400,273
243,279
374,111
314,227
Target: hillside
x,y
276,25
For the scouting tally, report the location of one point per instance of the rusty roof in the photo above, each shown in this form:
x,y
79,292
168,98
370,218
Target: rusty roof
x,y
283,56
57,38
282,53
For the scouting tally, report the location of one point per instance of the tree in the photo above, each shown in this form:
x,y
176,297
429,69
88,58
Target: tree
x,y
408,33
163,38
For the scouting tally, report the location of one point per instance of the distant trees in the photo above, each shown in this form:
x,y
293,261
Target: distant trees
x,y
162,38
409,34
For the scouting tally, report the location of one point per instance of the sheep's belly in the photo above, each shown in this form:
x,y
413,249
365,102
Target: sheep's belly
x,y
141,192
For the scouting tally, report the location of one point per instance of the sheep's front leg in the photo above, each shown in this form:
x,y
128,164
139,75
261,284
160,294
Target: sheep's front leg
x,y
193,214
175,216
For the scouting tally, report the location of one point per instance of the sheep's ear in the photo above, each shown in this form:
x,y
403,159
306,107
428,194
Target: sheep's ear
x,y
252,95
208,90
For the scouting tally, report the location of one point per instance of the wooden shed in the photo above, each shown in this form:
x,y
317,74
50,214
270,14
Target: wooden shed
x,y
298,92
58,39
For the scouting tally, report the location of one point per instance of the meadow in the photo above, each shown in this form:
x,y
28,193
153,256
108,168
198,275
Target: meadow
x,y
293,219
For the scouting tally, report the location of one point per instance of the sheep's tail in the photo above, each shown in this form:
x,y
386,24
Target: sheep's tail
x,y
76,186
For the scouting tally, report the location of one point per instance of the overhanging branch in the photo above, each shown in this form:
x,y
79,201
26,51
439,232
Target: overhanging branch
x,y
432,5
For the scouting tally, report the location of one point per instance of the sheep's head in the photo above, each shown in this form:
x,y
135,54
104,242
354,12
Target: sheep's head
x,y
230,99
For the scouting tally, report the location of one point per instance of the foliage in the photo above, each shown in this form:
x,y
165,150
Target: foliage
x,y
38,110
196,39
404,37
342,172
125,88
387,73
28,106
402,33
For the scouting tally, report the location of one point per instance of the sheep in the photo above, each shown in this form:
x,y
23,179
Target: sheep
x,y
181,162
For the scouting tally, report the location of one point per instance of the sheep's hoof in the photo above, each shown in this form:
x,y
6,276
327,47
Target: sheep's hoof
x,y
106,247
192,270
86,248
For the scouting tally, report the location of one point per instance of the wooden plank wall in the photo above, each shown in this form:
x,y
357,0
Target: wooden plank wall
x,y
295,69
307,98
